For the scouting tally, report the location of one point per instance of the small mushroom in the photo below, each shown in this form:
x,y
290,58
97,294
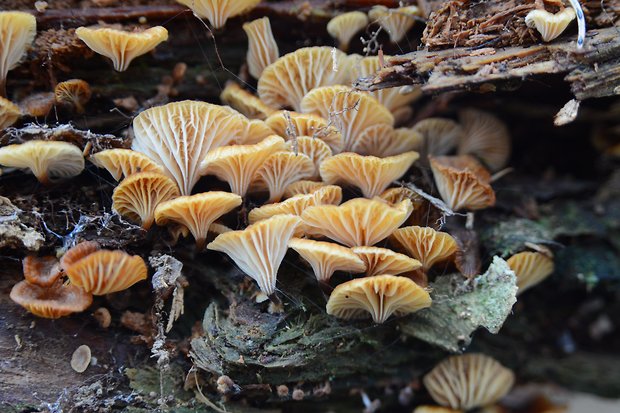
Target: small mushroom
x,y
435,409
530,268
103,317
380,297
56,301
124,162
280,170
315,149
78,252
550,25
326,258
396,22
17,31
440,136
294,124
385,261
73,92
38,105
262,47
303,186
9,113
80,359
218,11
42,271
425,244
485,137
246,103
344,26
383,140
121,46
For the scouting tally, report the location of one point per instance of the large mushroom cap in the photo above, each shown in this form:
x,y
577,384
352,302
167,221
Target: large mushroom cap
x,y
439,136
197,212
218,11
425,244
56,301
326,258
344,26
383,140
485,137
385,261
78,252
124,162
245,102
138,195
550,25
285,82
42,271
262,47
120,46
397,22
357,222
280,170
73,92
379,296
302,187
17,31
369,173
104,272
530,268
48,160
260,248
289,124
9,113
468,381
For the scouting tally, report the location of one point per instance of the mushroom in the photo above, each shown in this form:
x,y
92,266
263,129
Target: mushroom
x,y
245,102
74,92
280,170
81,358
37,105
485,137
314,148
344,26
369,173
255,131
42,271
124,162
356,222
259,249
139,194
435,409
385,261
9,113
530,268
294,124
104,272
262,47
462,182
440,136
285,82
302,187
197,212
120,46
396,22
425,244
424,213
550,25
56,301
350,111
17,31
468,381
383,140
48,160
218,11
326,258
179,135
238,164
78,252
380,296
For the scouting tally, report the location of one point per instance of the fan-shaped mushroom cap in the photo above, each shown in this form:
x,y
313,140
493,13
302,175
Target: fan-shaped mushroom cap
x,y
344,26
425,244
530,268
305,124
326,258
120,46
381,296
357,222
302,187
37,105
424,213
383,140
550,25
255,131
197,212
262,47
314,148
351,112
280,170
238,164
396,22
78,252
468,381
245,102
385,261
42,271
439,136
56,301
74,92
17,31
485,137
462,182
139,194
285,82
9,113
326,195
179,135
218,11
369,173
435,409
48,160
124,162
104,272
259,249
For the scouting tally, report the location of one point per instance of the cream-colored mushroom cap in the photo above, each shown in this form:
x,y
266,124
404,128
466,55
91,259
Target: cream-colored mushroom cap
x,y
48,160
280,170
383,140
124,162
289,124
550,25
379,297
121,46
485,137
104,272
468,381
17,31
42,271
255,131
259,249
219,11
262,47
369,173
326,258
197,212
425,244
9,113
238,164
285,82
440,136
462,182
302,187
245,102
385,261
396,22
137,196
56,301
74,92
344,26
314,148
530,268
357,222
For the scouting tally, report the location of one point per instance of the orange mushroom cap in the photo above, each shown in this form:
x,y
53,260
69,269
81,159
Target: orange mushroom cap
x,y
383,140
385,261
9,113
302,187
425,244
78,252
288,124
530,268
37,105
42,271
280,170
485,137
74,92
245,102
124,162
326,258
219,11
262,47
56,301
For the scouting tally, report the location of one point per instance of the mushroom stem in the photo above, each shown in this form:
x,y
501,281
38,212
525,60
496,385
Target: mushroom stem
x,y
326,288
469,223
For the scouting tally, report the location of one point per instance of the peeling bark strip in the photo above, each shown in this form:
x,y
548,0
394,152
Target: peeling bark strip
x,y
594,72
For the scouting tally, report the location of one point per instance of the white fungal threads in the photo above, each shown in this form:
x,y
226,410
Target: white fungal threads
x,y
581,23
334,60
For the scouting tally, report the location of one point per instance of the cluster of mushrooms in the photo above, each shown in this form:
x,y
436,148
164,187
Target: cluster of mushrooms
x,y
297,144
